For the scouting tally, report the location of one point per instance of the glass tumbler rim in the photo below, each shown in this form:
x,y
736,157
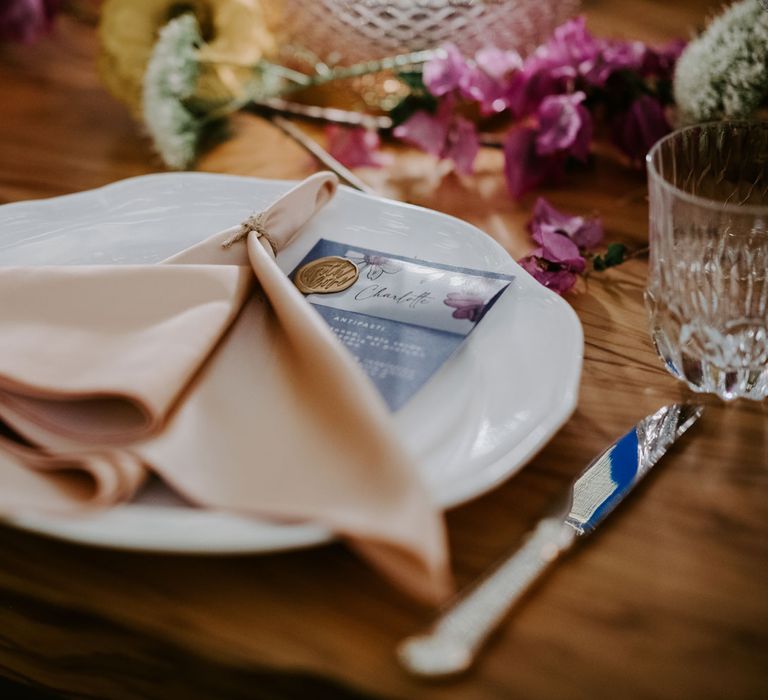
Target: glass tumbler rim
x,y
706,202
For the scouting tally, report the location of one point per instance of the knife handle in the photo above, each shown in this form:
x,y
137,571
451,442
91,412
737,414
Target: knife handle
x,y
452,643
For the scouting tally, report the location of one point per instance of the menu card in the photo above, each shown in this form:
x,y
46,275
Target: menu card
x,y
403,318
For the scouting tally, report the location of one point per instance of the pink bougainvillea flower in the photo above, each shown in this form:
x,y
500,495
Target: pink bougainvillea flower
x,y
564,125
612,57
558,280
556,247
553,66
26,20
483,80
535,154
468,306
570,47
572,54
423,130
528,87
520,169
585,233
563,240
524,168
445,135
660,61
637,129
462,144
443,73
570,51
498,63
355,148
487,79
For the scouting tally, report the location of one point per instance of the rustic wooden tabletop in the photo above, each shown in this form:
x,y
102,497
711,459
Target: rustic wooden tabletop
x,y
669,600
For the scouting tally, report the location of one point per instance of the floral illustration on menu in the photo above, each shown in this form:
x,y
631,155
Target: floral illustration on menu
x,y
375,266
466,306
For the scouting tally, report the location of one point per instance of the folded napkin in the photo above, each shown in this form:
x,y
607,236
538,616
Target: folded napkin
x,y
212,371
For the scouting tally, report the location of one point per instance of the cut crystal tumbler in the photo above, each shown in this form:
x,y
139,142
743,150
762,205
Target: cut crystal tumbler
x,y
707,290
349,31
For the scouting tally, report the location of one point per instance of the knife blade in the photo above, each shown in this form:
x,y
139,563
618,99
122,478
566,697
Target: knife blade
x,y
452,643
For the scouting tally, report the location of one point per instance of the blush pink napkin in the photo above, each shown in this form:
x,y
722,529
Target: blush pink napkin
x,y
212,371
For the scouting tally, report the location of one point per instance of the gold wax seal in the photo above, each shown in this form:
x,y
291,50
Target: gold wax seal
x,y
326,275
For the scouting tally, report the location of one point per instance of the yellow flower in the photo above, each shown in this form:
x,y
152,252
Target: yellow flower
x,y
236,33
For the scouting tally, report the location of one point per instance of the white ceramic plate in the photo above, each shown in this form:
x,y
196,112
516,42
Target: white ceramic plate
x,y
486,412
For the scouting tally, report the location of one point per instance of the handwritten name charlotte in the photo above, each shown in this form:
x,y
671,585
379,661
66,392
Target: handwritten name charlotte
x,y
410,299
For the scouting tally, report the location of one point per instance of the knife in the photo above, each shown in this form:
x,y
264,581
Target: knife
x,y
450,646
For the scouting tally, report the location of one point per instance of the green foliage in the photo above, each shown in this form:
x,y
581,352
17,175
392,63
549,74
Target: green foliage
x,y
418,98
615,255
414,80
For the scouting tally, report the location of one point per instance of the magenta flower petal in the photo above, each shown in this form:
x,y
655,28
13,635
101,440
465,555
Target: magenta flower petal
x,y
355,148
589,235
660,61
445,135
519,158
637,129
425,131
498,63
558,280
581,144
612,57
573,39
560,122
571,52
462,145
486,81
443,73
556,247
528,88
488,92
482,88
26,20
585,233
524,168
545,213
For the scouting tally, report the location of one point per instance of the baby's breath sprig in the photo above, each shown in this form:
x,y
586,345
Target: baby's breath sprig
x,y
176,118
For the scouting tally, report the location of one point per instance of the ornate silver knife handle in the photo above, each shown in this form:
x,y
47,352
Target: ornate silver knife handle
x,y
451,644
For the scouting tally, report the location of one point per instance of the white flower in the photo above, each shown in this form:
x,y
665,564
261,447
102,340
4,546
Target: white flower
x,y
170,79
724,72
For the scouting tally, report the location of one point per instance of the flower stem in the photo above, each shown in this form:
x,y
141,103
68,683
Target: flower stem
x,y
638,252
328,75
301,79
377,66
332,115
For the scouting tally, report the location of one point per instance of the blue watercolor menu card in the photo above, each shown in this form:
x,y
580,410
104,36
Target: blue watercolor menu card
x,y
403,318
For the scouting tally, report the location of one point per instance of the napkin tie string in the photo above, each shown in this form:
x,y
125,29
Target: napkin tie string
x,y
253,223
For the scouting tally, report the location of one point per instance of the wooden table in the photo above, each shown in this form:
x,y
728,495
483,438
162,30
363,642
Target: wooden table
x,y
670,599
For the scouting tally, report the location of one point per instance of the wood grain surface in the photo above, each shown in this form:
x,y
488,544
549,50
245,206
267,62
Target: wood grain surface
x,y
669,600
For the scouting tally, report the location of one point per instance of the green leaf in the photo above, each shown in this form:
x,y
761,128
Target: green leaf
x,y
413,79
615,255
411,104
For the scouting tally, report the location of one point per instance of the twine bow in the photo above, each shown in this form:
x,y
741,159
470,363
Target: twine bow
x,y
256,224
